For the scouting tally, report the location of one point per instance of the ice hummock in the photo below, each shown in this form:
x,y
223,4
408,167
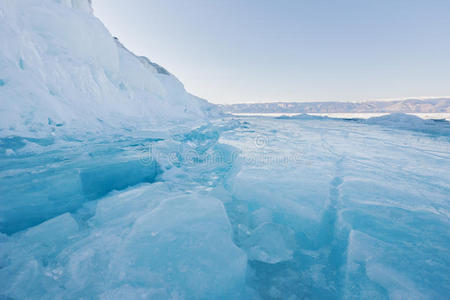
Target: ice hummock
x,y
410,122
63,72
402,121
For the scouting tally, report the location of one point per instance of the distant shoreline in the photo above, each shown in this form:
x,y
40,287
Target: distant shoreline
x,y
425,116
414,106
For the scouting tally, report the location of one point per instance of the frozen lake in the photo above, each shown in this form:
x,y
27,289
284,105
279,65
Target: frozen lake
x,y
116,183
250,207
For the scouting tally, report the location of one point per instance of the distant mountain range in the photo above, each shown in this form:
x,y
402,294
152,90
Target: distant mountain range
x,y
434,105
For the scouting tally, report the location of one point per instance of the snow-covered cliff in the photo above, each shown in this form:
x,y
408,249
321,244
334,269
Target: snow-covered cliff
x,y
60,69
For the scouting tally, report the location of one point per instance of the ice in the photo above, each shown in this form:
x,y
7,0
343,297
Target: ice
x,y
410,122
61,228
287,208
369,276
99,181
21,273
150,240
261,216
270,243
57,179
115,183
365,203
195,227
439,127
60,63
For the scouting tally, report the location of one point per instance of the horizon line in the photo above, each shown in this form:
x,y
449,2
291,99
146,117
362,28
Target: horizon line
x,y
338,101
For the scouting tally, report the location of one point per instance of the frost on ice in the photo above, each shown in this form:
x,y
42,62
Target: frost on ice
x,y
115,183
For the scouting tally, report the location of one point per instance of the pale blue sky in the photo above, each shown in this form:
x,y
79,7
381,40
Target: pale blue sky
x,y
260,50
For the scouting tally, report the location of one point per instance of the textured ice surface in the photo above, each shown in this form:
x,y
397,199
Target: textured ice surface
x,y
368,205
270,243
146,242
54,176
117,184
249,209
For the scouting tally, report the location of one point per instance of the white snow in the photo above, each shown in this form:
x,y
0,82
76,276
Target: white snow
x,y
60,64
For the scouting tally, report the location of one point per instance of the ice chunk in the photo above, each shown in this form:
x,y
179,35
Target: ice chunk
x,y
40,199
53,231
98,181
148,241
260,216
371,273
271,243
187,242
26,270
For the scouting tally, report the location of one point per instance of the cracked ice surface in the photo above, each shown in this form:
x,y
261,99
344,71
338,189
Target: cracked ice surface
x,y
250,208
369,206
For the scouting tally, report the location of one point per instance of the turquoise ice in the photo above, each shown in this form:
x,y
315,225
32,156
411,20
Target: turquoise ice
x,y
283,209
115,183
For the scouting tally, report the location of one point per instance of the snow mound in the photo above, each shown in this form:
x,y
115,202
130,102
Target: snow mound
x,y
302,117
393,121
410,122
